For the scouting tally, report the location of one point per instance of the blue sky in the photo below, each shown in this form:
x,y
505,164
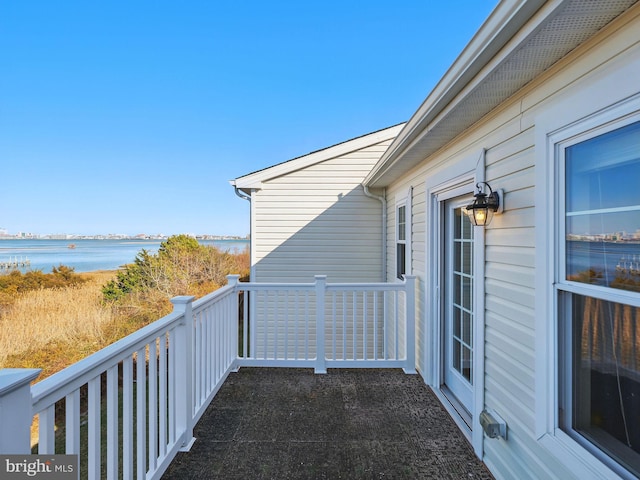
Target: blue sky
x,y
132,116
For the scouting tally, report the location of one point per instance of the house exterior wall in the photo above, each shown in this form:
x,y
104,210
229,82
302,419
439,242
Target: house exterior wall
x,y
514,386
318,221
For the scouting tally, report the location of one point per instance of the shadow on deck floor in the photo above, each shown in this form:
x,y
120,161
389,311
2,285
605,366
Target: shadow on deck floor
x,y
268,423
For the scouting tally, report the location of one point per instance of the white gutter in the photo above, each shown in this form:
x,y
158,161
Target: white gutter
x,y
382,200
246,197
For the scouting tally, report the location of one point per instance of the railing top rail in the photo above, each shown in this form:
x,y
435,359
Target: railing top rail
x,y
274,286
212,297
59,384
366,286
399,285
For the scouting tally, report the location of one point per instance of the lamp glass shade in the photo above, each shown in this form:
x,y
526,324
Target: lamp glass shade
x,y
481,216
481,211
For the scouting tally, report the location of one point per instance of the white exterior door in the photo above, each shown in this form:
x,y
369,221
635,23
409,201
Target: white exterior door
x,y
457,311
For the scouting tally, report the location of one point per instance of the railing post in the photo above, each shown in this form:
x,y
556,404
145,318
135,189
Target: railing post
x,y
232,281
321,288
184,371
15,410
410,318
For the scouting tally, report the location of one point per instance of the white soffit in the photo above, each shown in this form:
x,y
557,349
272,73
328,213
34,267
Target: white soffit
x,y
254,180
550,34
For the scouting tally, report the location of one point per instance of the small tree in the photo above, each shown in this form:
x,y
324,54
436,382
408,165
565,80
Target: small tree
x,y
182,266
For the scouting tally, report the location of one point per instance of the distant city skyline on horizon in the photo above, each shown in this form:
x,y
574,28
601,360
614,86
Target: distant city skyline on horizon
x,y
4,233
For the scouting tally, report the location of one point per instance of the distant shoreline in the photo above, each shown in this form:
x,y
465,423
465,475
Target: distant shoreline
x,y
99,272
155,238
87,255
616,242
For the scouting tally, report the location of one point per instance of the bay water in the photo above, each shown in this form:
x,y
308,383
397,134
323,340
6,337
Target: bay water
x,y
86,255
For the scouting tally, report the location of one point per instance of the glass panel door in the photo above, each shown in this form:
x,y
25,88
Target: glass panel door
x,y
458,302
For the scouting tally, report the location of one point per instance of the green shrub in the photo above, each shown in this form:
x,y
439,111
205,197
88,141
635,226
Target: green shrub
x,y
182,266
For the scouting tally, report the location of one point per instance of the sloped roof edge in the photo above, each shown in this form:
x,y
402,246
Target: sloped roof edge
x,y
254,179
495,33
519,41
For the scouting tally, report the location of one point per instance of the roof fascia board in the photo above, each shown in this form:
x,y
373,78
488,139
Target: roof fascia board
x,y
500,35
255,180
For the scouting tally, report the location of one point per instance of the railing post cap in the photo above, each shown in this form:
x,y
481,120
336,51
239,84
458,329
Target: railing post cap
x,y
14,378
320,277
232,279
182,299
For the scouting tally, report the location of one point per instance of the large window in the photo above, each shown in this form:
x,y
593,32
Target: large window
x,y
598,288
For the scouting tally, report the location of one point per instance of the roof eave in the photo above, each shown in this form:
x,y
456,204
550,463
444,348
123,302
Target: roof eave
x,y
506,20
255,180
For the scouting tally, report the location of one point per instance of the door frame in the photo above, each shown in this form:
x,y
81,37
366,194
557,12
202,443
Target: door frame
x,y
457,389
440,187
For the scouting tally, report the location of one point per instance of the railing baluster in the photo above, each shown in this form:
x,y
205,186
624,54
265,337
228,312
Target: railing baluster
x,y
153,406
245,324
127,418
112,423
253,325
225,333
266,325
275,322
173,407
306,326
396,316
216,345
364,325
162,387
295,326
94,412
211,350
286,323
385,321
375,325
333,323
46,429
206,368
197,338
141,412
72,422
344,325
201,368
355,324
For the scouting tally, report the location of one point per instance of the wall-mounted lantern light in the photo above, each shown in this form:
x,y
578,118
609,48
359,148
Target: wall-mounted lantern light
x,y
484,206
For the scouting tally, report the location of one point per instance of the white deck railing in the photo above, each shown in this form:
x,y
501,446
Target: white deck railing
x,y
150,388
323,325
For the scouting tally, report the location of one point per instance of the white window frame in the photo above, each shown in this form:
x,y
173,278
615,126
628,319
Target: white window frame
x,y
565,127
404,201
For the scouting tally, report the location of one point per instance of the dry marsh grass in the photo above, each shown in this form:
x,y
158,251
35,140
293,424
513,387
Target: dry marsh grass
x,y
52,320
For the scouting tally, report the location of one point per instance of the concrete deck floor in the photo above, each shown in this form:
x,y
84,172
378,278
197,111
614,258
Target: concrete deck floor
x,y
268,423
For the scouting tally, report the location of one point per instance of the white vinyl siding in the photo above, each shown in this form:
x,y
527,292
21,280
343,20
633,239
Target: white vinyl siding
x,y
318,221
510,316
